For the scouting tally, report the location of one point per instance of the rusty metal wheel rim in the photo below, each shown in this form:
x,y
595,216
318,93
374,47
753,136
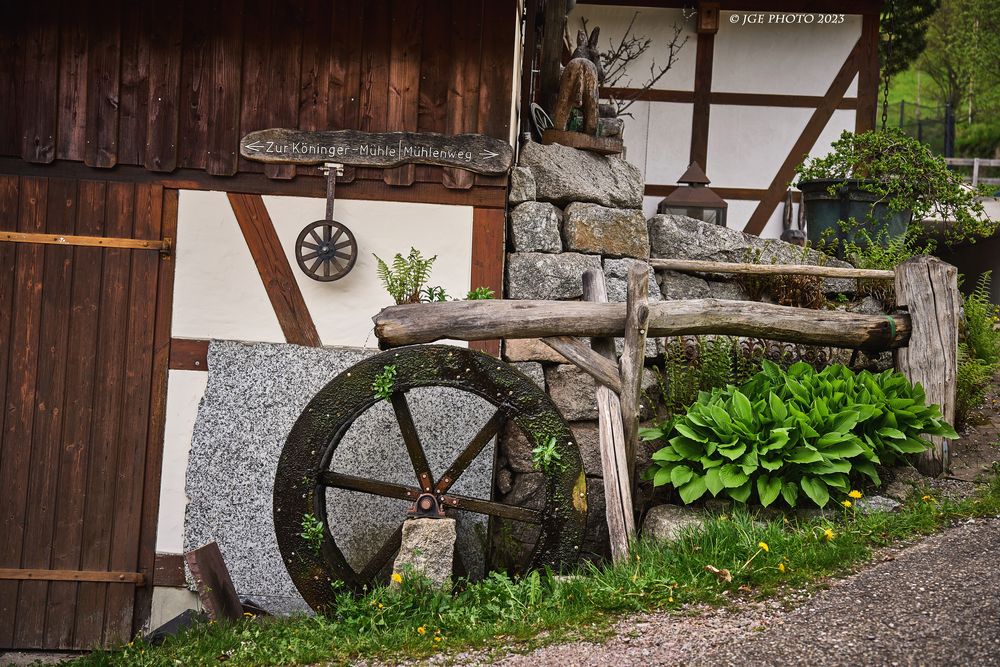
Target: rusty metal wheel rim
x,y
303,475
326,250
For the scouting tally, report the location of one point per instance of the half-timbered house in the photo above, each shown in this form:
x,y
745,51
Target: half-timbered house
x,y
132,231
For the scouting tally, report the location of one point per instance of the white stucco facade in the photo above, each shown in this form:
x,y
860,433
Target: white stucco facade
x,y
746,144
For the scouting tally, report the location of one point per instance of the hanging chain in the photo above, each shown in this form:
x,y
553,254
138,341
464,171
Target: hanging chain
x,y
885,65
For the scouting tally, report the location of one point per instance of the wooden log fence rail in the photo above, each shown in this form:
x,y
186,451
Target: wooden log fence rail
x,y
925,337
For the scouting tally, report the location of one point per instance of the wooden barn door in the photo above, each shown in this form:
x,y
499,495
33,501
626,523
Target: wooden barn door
x,y
82,379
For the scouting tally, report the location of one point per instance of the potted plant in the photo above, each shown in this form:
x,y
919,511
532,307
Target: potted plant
x,y
878,185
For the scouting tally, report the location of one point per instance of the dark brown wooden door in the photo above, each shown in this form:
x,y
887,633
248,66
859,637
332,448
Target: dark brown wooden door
x,y
82,377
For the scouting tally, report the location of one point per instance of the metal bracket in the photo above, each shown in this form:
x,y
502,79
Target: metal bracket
x,y
427,506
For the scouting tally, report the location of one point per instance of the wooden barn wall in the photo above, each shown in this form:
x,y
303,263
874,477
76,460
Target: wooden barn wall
x,y
173,86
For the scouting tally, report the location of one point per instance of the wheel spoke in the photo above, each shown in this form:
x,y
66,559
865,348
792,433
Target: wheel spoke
x,y
311,246
492,508
312,269
309,256
326,233
342,255
326,269
340,232
312,232
374,487
342,244
413,448
469,454
382,556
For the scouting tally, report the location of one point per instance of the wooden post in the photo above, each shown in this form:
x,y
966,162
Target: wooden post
x,y
633,358
614,461
928,288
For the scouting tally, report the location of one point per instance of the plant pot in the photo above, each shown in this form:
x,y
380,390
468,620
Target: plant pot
x,y
825,211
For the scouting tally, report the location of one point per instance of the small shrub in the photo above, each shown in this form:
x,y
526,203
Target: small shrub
x,y
981,317
786,431
312,532
406,277
973,379
480,294
384,382
545,458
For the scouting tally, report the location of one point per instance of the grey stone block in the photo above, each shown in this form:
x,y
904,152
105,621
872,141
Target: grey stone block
x,y
668,522
680,237
677,286
616,277
726,290
522,186
254,395
427,550
607,231
564,175
530,349
532,275
534,227
572,391
533,371
588,440
873,504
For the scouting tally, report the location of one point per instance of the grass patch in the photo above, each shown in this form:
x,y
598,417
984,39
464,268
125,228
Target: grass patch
x,y
541,608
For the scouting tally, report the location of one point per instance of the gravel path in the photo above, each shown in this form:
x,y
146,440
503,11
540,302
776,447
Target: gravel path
x,y
934,603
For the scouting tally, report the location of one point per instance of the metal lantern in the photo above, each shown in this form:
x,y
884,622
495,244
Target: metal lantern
x,y
694,199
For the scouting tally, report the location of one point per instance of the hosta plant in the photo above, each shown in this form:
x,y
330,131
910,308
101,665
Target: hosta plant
x,y
786,432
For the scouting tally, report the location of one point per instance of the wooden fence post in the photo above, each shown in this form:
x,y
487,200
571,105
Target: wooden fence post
x,y
633,358
928,288
614,463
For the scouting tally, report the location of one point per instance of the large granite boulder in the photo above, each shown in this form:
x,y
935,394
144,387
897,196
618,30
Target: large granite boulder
x,y
573,392
680,237
668,522
616,278
534,275
534,227
606,231
564,175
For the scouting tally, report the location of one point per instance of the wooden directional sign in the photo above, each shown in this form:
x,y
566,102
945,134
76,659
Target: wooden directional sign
x,y
475,152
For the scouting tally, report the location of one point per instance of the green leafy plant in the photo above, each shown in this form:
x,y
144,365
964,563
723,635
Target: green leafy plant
x,y
544,456
384,382
480,294
971,383
312,532
431,294
906,176
981,318
406,277
786,431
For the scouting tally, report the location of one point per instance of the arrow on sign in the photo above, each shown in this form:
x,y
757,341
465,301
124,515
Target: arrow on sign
x,y
489,154
255,146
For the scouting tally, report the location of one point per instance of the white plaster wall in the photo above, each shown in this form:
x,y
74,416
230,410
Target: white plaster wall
x,y
184,392
219,294
342,310
796,59
669,142
654,23
217,289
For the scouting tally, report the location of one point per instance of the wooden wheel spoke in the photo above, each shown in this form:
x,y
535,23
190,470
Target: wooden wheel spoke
x,y
375,487
471,451
342,255
342,244
311,246
412,440
326,233
312,233
326,269
315,265
382,556
340,232
309,256
492,508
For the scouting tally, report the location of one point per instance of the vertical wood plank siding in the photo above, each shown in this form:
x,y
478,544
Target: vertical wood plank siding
x,y
82,348
175,85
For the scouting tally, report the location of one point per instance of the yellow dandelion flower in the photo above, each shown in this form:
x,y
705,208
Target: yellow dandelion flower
x,y
397,578
846,503
763,545
781,568
421,629
855,494
828,534
927,499
670,599
437,638
381,606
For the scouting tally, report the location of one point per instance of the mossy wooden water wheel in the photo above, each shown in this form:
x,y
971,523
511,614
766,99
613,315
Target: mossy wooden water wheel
x,y
308,466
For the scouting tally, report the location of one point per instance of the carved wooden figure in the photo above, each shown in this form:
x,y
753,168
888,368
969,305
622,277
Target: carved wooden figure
x,y
580,82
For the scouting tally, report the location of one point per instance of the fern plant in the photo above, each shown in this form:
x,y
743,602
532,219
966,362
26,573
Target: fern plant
x,y
407,275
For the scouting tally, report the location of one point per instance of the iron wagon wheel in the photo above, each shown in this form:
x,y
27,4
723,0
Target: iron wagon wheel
x,y
326,250
304,473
